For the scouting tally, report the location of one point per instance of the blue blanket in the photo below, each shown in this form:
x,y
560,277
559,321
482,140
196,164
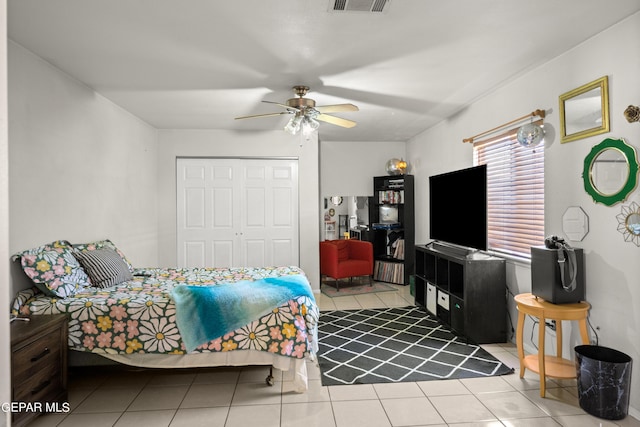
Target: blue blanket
x,y
204,313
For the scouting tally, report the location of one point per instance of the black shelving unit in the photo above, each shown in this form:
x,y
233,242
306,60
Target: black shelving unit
x,y
393,194
467,292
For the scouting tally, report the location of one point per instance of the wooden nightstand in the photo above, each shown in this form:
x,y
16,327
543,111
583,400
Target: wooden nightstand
x,y
38,364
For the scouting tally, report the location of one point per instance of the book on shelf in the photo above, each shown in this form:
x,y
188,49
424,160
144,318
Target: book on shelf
x,y
391,196
398,251
391,272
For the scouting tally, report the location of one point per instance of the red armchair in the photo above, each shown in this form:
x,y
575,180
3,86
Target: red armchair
x,y
346,258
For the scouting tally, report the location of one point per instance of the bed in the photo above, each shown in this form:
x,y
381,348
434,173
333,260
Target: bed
x,y
142,320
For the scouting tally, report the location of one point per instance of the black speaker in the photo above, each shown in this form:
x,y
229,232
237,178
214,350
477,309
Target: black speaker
x,y
546,280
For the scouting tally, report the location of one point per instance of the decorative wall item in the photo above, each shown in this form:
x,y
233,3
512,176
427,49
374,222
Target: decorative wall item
x,y
530,135
632,114
610,171
396,166
575,223
336,200
584,111
629,223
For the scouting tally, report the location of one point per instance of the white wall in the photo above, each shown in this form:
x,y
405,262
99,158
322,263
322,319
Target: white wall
x,y
81,168
612,267
5,289
220,143
347,168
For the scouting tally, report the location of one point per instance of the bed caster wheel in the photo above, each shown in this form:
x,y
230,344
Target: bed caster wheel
x,y
269,380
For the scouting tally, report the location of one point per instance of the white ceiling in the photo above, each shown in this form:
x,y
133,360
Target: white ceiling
x,y
197,64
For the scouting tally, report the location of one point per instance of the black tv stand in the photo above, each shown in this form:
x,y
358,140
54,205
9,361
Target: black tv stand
x,y
466,291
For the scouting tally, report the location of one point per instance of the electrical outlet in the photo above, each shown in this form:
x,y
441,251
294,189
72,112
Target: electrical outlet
x,y
551,324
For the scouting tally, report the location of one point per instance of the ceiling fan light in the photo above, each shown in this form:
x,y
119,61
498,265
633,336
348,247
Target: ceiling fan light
x,y
311,122
309,126
293,126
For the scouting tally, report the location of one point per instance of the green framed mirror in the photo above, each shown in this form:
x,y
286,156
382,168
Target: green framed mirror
x,y
610,171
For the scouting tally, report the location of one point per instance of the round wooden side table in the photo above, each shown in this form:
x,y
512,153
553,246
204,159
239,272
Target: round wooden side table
x,y
546,365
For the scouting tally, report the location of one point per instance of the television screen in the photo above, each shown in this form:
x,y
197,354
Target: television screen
x,y
388,214
458,207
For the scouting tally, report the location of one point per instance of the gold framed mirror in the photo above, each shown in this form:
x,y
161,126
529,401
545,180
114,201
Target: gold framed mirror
x,y
584,111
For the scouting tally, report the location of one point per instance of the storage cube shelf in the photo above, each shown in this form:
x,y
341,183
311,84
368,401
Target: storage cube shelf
x,y
468,293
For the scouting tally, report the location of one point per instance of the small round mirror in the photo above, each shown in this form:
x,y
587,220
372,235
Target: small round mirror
x,y
610,171
633,223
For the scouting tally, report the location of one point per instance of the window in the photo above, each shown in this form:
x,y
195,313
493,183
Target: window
x,y
515,193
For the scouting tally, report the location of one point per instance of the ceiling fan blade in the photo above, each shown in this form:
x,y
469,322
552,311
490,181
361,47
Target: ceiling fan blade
x,y
335,120
263,115
337,108
282,105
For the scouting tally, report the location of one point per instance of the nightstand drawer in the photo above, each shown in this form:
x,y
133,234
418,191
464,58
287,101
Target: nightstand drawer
x,y
36,356
44,386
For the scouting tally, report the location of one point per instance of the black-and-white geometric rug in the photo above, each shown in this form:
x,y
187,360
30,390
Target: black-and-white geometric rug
x,y
395,345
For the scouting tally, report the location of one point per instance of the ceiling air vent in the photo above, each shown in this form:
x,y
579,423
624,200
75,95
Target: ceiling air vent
x,y
358,5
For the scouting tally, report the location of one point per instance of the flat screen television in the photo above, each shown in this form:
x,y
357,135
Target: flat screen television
x,y
458,207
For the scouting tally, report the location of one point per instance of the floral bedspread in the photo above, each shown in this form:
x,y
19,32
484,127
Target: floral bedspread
x,y
139,316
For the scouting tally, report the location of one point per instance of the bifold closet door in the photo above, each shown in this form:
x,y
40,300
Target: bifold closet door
x,y
237,212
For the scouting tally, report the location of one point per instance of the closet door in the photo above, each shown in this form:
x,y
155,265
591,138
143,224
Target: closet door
x,y
208,212
237,212
269,213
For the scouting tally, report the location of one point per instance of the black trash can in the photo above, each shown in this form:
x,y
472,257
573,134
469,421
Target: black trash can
x,y
604,381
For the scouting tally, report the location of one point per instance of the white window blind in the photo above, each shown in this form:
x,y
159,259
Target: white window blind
x,y
515,193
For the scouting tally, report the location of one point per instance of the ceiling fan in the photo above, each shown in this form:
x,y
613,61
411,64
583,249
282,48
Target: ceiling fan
x,y
306,114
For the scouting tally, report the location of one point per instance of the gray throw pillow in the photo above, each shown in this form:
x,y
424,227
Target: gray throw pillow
x,y
104,267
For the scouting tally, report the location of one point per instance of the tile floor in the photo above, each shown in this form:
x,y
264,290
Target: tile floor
x,y
237,397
